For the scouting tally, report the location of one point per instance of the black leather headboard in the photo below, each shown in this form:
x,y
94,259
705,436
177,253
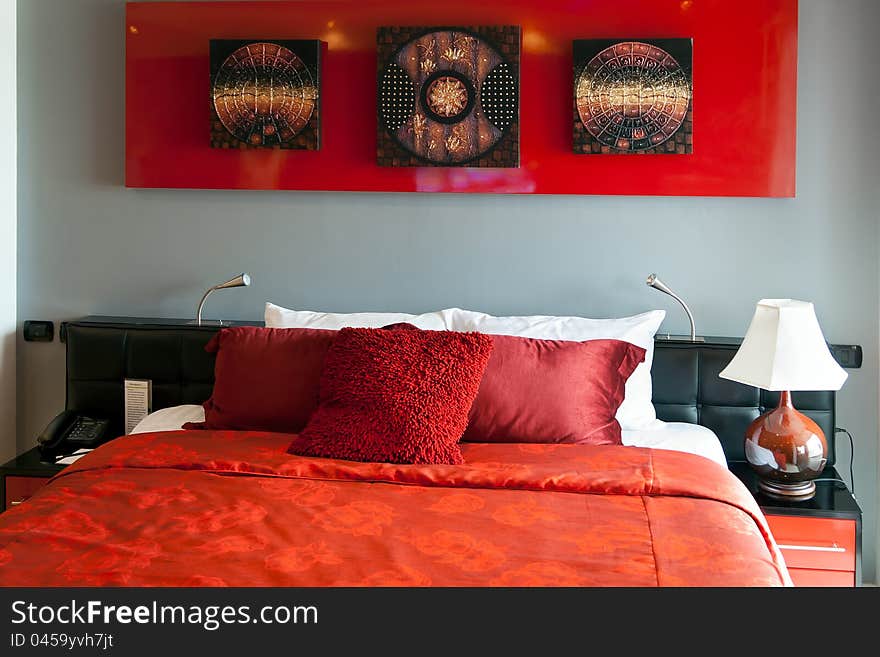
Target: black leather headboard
x,y
103,351
101,357
687,388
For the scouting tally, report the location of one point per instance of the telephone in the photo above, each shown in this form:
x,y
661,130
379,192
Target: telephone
x,y
69,431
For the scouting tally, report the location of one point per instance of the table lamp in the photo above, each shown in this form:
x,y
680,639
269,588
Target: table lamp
x,y
784,350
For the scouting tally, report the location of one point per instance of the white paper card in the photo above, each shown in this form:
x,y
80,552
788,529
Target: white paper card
x,y
71,458
138,401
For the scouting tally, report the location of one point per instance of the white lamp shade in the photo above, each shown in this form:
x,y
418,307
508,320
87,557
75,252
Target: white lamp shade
x,y
784,349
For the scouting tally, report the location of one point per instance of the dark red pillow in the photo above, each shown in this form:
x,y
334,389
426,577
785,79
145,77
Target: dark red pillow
x,y
265,379
552,391
395,396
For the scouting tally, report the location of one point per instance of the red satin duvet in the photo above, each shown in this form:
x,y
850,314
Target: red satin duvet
x,y
200,508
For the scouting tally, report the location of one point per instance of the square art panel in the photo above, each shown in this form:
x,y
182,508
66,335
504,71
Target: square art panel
x,y
265,94
448,96
633,96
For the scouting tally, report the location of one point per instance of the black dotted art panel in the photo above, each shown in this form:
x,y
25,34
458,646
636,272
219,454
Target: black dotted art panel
x,y
398,98
448,96
499,96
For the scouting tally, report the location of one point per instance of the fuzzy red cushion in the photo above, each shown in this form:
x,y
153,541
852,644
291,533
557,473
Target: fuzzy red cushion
x,y
395,396
265,379
552,391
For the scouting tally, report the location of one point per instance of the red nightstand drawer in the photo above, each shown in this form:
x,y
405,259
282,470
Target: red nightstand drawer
x,y
18,489
815,543
807,578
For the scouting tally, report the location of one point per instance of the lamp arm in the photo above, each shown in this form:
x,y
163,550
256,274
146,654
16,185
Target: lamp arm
x,y
689,314
202,303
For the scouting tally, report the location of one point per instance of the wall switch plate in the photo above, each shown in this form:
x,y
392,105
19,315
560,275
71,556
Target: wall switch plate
x,y
847,355
38,331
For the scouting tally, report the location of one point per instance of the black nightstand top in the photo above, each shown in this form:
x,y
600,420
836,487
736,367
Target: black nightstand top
x,y
30,465
832,499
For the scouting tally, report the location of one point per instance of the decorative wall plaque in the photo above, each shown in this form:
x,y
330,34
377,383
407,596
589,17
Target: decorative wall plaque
x,y
448,96
633,96
265,94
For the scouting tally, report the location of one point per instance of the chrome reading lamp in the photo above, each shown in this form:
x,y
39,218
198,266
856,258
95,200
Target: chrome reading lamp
x,y
657,284
242,280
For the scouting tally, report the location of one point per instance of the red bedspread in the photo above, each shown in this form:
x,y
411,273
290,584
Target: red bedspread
x,y
202,508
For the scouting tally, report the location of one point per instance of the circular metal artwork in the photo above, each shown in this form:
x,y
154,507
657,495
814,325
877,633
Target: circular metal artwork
x,y
447,96
264,94
633,96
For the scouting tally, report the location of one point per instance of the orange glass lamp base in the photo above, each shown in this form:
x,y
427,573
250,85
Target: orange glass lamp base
x,y
787,450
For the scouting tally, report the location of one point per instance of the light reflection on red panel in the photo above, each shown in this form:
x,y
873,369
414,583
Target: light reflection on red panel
x,y
745,96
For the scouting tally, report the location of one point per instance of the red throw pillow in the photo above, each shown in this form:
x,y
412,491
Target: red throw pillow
x,y
265,379
552,391
395,396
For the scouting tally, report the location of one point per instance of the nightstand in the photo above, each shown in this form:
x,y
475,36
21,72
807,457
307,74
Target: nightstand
x,y
820,538
23,476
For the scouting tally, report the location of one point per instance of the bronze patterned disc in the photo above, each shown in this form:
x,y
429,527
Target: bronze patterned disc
x,y
264,94
633,96
447,96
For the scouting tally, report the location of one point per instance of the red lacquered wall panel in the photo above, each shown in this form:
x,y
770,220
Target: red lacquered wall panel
x,y
744,96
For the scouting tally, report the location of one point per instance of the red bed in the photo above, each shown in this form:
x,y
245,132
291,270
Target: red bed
x,y
204,508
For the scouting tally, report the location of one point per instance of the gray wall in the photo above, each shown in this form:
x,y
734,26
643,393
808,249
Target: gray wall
x,y
87,245
8,227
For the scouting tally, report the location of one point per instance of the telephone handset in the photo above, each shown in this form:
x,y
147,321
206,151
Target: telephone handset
x,y
69,431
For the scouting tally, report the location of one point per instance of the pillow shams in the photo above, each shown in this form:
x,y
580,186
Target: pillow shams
x,y
265,379
637,410
552,391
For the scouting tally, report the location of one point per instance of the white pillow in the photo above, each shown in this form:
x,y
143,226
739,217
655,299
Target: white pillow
x,y
637,411
278,317
678,436
170,419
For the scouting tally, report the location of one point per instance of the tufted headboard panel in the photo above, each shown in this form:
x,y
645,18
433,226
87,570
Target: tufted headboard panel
x,y
103,351
100,358
687,388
